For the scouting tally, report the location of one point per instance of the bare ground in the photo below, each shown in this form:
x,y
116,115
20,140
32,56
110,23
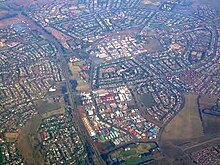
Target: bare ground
x,y
187,124
26,142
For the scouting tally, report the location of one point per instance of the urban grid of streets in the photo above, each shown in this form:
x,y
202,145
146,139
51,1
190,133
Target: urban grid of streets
x,y
127,53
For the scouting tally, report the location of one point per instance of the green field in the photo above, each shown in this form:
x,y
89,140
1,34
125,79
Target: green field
x,y
132,153
126,154
147,99
136,160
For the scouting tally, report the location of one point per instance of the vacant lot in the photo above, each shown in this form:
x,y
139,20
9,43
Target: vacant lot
x,y
26,142
3,12
75,69
11,136
44,106
59,111
211,123
187,124
8,22
207,101
60,36
152,45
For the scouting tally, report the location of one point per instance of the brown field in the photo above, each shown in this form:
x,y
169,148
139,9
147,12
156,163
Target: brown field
x,y
26,142
59,111
60,36
187,124
211,123
3,12
153,45
82,84
47,106
206,101
7,22
11,136
29,2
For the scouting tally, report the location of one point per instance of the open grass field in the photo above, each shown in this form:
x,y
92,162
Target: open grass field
x,y
207,101
187,124
152,45
60,36
131,154
75,69
44,106
48,107
8,22
147,99
26,142
59,111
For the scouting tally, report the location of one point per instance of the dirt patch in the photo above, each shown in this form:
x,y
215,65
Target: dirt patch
x,y
60,36
174,156
55,112
45,106
75,70
3,12
187,124
26,3
211,123
152,45
10,21
207,101
11,136
27,142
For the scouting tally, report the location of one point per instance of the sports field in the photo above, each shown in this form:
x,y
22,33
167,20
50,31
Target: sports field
x,y
134,153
